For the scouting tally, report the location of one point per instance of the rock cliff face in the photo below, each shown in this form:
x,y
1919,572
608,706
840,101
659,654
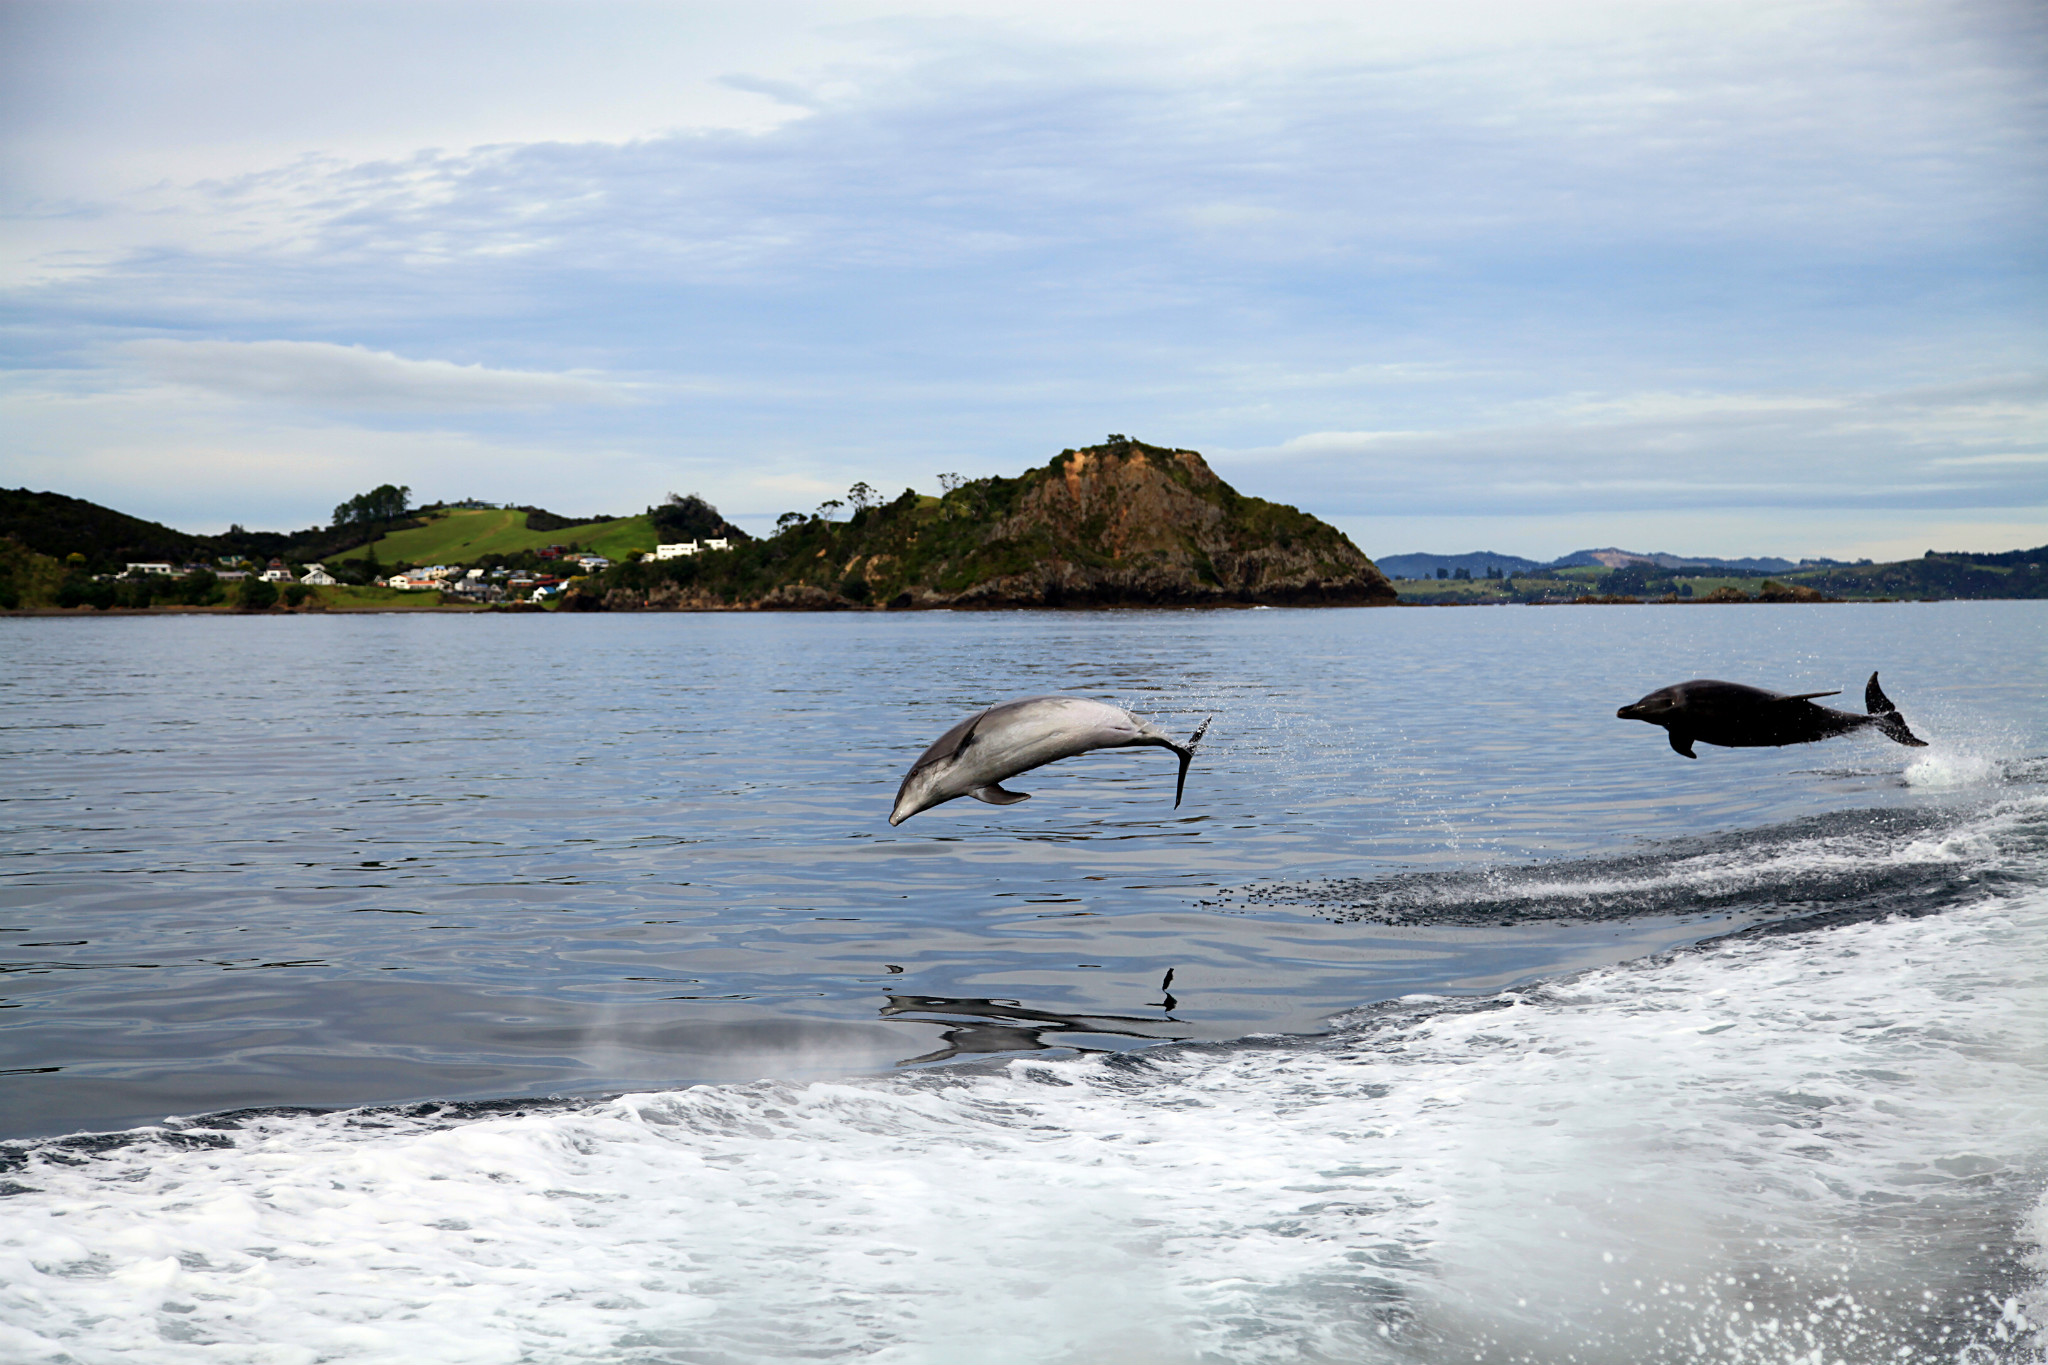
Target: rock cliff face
x,y
1115,525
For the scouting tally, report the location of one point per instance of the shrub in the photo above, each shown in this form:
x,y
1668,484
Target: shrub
x,y
79,590
198,589
254,594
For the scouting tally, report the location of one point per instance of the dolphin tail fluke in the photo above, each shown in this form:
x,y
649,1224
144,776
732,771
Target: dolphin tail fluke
x,y
1187,756
1886,716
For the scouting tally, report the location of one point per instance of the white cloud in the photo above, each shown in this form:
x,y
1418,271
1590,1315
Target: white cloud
x,y
322,374
1929,448
1496,258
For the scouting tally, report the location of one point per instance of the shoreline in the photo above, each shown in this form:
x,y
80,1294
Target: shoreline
x,y
486,609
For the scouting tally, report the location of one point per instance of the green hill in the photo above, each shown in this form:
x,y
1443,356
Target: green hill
x,y
1953,576
1120,524
55,525
458,536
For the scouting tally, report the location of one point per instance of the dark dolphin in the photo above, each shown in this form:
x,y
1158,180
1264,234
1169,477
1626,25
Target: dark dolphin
x,y
974,757
1738,717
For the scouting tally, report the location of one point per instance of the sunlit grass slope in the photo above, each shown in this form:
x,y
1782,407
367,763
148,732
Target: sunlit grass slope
x,y
456,537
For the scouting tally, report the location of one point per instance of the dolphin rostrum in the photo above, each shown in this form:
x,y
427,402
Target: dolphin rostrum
x,y
1739,717
975,756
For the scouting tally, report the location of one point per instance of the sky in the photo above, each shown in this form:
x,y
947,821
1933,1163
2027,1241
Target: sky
x,y
1708,277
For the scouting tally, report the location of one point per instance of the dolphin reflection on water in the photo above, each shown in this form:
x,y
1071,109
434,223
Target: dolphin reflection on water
x,y
975,756
988,1026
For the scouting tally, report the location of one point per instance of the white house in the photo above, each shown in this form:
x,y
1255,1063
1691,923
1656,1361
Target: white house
x,y
278,576
138,570
432,576
318,577
593,562
717,544
675,551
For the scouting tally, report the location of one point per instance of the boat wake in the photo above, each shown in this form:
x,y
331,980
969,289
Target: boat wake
x,y
1797,1147
1845,866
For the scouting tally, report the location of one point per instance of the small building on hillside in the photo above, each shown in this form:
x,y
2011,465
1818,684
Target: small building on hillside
x,y
476,587
316,576
151,568
717,544
676,550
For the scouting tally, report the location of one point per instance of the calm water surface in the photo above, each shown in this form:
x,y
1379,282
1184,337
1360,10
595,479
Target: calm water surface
x,y
371,860
345,860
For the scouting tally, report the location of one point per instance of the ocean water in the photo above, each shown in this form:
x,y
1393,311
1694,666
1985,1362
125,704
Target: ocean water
x,y
553,989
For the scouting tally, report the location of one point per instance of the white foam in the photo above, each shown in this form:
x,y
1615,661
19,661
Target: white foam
x,y
1815,1148
1946,770
2004,837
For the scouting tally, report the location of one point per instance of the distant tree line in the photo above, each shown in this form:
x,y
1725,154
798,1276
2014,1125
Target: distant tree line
x,y
386,502
685,516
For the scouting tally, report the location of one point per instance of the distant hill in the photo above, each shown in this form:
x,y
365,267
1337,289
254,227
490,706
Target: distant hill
x,y
1613,558
460,535
59,526
1936,577
1119,524
2013,574
1478,564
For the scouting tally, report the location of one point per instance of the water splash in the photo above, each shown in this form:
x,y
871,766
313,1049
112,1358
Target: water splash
x,y
1811,1147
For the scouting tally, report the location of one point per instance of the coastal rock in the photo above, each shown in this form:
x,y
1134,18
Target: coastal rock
x,y
1123,524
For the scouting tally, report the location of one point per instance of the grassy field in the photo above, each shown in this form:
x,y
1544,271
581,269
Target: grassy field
x,y
457,537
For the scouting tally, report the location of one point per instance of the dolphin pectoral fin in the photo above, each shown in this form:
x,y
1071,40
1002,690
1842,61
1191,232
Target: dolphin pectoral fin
x,y
1682,743
1809,696
995,795
1187,756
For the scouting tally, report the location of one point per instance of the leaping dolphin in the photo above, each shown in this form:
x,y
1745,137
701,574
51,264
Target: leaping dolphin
x,y
1739,717
975,756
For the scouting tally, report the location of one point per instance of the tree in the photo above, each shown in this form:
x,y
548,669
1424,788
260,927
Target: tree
x,y
828,507
198,589
951,482
861,496
253,594
688,517
789,519
386,502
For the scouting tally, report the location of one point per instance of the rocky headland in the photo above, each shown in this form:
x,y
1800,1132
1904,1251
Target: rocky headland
x,y
1123,524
